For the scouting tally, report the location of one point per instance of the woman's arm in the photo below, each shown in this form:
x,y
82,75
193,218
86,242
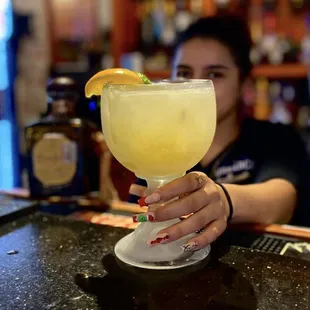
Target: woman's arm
x,y
272,201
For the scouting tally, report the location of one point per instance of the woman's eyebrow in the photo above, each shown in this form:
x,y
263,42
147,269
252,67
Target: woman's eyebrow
x,y
185,67
217,66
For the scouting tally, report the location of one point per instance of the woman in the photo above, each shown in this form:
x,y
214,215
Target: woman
x,y
253,170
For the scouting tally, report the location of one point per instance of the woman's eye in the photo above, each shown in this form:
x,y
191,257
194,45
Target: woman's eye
x,y
184,74
214,75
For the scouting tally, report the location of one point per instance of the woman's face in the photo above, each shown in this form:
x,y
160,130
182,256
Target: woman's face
x,y
209,59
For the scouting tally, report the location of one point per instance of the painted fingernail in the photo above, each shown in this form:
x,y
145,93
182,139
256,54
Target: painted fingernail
x,y
190,246
155,197
145,217
161,238
142,202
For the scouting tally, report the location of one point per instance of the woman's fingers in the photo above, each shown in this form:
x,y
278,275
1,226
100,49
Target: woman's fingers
x,y
137,190
194,194
193,223
210,234
188,204
185,206
186,184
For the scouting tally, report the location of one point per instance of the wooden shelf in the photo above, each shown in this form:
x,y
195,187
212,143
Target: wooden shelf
x,y
269,71
281,71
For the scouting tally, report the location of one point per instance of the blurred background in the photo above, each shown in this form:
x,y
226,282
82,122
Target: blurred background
x,y
41,39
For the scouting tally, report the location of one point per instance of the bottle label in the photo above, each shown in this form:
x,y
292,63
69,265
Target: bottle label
x,y
54,160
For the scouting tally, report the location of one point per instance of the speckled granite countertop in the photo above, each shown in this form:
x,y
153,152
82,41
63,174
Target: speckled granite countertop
x,y
63,264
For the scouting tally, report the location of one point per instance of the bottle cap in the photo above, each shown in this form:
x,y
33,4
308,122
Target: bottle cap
x,y
62,95
62,88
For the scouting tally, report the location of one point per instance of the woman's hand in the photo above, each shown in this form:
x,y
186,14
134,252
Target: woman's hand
x,y
199,197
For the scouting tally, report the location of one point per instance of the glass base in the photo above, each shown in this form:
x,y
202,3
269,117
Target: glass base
x,y
124,253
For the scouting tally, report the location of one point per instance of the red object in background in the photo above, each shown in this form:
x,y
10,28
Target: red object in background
x,y
269,22
122,178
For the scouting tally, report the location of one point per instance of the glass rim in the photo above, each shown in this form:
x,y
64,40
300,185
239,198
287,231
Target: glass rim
x,y
165,84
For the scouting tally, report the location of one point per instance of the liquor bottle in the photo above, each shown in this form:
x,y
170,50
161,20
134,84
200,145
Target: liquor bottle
x,y
289,48
148,36
289,95
262,107
256,28
168,34
184,15
270,47
62,150
281,96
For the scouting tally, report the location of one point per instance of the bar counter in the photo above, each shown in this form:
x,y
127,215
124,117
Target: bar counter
x,y
53,262
127,208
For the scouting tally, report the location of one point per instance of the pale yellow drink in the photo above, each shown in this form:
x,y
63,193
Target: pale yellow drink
x,y
159,130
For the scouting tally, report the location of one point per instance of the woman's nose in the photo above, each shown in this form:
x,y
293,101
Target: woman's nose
x,y
197,74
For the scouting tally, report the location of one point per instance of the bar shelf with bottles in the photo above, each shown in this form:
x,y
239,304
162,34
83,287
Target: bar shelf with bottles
x,y
270,71
280,31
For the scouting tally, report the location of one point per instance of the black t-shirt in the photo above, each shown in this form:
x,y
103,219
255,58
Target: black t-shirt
x,y
263,151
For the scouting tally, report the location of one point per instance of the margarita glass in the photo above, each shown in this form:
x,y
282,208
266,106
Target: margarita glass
x,y
158,131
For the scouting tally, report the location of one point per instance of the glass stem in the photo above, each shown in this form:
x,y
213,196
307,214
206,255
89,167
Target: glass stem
x,y
156,182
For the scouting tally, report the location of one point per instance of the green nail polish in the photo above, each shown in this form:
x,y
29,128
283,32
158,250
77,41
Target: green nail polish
x,y
142,218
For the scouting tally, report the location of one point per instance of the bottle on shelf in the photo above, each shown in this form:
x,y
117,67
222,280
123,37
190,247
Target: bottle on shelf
x,y
289,48
62,150
281,96
168,34
289,97
262,107
185,14
157,32
148,36
256,28
269,46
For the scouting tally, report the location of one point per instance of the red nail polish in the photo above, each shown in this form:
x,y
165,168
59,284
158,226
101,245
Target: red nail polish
x,y
142,202
159,240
